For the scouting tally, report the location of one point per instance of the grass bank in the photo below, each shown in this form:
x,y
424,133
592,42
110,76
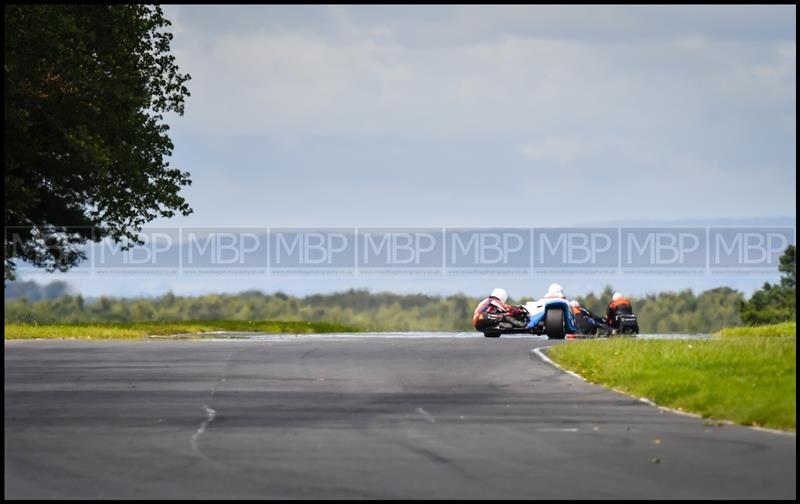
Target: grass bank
x,y
747,375
138,330
784,329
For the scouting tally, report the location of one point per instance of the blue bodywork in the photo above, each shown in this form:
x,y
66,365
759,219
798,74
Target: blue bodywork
x,y
550,304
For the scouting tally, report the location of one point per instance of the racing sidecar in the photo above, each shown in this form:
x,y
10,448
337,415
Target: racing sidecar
x,y
626,324
552,317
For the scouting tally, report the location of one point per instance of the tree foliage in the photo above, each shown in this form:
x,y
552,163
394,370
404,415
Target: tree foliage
x,y
86,88
774,303
787,267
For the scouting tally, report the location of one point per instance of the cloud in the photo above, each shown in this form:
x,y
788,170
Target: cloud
x,y
440,95
363,82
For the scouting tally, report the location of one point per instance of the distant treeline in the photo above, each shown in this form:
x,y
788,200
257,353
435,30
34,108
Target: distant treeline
x,y
682,311
32,291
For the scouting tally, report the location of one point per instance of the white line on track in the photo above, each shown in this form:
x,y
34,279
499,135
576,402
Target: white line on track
x,y
210,415
426,415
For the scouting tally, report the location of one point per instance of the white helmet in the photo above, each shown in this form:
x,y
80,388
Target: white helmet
x,y
575,303
500,294
555,290
616,296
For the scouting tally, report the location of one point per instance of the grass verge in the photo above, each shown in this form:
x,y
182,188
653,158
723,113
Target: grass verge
x,y
772,330
138,330
748,376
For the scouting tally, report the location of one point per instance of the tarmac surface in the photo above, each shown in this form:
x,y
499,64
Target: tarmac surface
x,y
378,416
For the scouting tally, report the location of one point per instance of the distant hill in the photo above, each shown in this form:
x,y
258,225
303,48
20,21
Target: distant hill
x,y
785,221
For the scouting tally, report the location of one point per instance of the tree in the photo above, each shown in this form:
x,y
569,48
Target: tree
x,y
86,88
787,267
774,303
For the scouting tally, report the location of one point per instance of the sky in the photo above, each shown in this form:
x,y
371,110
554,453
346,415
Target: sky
x,y
516,116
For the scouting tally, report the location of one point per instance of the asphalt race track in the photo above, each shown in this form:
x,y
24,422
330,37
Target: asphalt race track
x,y
328,417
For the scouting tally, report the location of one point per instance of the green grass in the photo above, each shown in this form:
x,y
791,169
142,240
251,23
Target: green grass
x,y
771,330
139,330
746,377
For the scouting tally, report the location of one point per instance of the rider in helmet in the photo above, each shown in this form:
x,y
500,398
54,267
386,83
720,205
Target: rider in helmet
x,y
494,313
586,321
555,291
619,305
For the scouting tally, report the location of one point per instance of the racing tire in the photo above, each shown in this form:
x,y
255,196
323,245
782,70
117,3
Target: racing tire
x,y
554,324
492,334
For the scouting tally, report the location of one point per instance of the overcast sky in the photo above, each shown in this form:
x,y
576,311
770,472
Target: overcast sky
x,y
481,116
